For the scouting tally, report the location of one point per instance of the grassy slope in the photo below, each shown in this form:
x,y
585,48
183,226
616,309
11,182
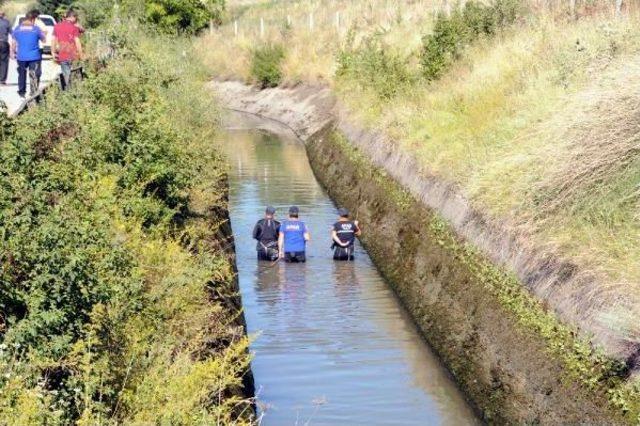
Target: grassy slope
x,y
535,125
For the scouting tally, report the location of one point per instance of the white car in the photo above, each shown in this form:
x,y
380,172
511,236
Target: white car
x,y
46,24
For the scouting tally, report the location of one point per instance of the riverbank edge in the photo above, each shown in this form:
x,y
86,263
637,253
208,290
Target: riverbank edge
x,y
482,322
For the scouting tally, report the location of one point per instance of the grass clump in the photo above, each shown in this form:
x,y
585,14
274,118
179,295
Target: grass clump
x,y
116,293
266,64
374,65
453,33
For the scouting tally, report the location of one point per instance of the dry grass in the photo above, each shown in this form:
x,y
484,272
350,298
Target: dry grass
x,y
538,126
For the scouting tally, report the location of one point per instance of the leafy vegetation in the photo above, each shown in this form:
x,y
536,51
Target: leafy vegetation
x,y
374,65
116,294
266,64
169,16
452,33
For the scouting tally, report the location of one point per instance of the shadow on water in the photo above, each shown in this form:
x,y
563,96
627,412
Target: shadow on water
x,y
334,344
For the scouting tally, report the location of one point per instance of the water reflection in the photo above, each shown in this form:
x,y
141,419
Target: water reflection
x,y
335,347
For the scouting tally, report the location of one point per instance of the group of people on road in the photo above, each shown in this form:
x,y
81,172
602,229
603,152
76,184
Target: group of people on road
x,y
288,239
22,43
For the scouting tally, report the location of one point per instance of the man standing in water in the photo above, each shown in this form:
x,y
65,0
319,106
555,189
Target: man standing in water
x,y
343,236
266,232
293,237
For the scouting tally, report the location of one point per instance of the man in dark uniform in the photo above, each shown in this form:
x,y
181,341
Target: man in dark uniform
x,y
343,236
266,233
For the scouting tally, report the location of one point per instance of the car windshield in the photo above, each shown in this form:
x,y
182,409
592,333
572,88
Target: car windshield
x,y
49,22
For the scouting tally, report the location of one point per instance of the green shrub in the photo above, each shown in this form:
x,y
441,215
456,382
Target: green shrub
x,y
451,34
105,314
373,65
266,65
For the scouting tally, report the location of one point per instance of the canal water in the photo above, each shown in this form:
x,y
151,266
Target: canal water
x,y
333,346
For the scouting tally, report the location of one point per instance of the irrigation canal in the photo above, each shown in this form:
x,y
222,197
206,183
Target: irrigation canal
x,y
333,344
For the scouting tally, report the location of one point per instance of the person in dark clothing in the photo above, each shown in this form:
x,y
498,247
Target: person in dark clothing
x,y
293,238
266,233
343,236
5,49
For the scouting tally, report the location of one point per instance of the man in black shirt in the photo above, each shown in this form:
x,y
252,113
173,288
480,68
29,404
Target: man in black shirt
x,y
266,233
5,32
343,236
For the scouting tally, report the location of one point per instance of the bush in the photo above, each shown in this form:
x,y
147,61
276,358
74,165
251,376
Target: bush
x,y
104,311
451,34
372,65
266,65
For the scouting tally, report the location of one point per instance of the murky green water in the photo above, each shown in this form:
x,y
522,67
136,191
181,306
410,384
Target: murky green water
x,y
334,346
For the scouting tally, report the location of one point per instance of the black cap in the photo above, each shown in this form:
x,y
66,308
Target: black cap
x,y
270,210
294,210
343,212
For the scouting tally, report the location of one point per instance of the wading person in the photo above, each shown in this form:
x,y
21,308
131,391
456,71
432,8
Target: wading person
x,y
343,236
5,49
266,232
293,238
66,46
26,50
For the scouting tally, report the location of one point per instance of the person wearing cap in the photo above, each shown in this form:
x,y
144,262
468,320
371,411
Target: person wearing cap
x,y
293,237
343,236
266,232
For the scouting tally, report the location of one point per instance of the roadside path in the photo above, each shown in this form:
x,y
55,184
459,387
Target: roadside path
x,y
9,93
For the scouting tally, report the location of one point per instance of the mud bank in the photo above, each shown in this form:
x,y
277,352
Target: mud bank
x,y
447,262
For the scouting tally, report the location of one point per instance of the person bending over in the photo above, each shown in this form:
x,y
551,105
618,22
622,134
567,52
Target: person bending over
x,y
266,232
343,236
293,238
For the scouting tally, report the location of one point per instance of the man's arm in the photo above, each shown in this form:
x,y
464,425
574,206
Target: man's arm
x,y
358,230
79,48
281,244
334,237
256,231
14,47
41,34
54,46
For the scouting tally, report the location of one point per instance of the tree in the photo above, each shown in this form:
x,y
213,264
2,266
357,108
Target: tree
x,y
178,15
54,7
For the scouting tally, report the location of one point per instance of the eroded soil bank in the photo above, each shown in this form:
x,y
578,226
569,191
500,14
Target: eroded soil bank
x,y
473,313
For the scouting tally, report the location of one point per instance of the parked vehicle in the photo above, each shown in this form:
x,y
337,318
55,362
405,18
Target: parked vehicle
x,y
46,24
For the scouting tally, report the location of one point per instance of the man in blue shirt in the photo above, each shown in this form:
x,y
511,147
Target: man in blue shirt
x,y
293,237
26,50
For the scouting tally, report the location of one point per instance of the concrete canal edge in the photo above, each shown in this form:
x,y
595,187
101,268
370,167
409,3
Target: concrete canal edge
x,y
512,357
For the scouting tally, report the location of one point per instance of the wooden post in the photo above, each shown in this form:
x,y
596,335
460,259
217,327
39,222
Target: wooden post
x,y
261,27
288,20
618,7
311,21
235,28
338,21
572,8
211,26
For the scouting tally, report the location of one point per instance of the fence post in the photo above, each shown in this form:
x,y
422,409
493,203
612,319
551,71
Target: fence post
x,y
261,27
288,20
235,28
311,21
618,7
338,21
211,26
